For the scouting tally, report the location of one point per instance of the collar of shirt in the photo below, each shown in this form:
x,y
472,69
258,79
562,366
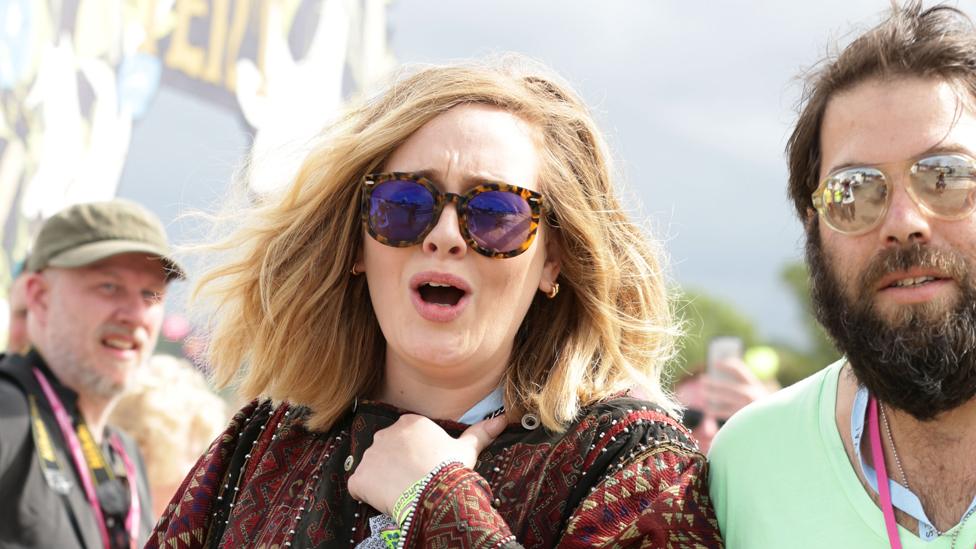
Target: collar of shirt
x,y
901,497
22,368
486,407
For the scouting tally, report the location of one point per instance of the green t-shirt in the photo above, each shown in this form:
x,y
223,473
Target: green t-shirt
x,y
780,478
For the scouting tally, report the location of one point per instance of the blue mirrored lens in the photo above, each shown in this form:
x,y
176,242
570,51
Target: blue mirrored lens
x,y
400,210
499,220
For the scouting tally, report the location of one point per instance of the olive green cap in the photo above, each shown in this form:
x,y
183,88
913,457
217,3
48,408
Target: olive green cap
x,y
86,233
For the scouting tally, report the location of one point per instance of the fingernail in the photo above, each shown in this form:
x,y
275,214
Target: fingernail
x,y
496,425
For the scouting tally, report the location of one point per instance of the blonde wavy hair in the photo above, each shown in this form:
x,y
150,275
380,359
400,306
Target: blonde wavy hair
x,y
172,414
288,321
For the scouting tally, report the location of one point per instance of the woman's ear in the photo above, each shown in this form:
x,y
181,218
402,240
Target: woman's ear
x,y
358,268
550,269
359,261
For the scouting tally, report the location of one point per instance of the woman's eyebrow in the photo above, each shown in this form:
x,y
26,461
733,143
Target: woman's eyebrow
x,y
469,180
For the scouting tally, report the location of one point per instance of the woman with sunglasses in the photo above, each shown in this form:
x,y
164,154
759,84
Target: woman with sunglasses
x,y
439,321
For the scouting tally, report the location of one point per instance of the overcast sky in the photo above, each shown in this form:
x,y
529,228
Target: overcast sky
x,y
696,103
697,99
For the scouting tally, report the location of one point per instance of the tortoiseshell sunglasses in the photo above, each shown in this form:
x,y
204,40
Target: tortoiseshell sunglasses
x,y
495,219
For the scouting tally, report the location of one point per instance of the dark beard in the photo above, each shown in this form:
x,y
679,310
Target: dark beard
x,y
924,361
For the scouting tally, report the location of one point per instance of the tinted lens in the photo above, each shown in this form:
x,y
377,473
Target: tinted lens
x,y
499,220
945,184
400,210
853,200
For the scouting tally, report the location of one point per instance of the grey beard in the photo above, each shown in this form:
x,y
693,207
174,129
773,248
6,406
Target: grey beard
x,y
81,376
100,386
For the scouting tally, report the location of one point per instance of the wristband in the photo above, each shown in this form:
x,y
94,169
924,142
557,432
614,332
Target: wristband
x,y
419,487
406,500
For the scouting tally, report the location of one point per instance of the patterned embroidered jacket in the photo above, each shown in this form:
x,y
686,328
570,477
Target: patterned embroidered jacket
x,y
624,475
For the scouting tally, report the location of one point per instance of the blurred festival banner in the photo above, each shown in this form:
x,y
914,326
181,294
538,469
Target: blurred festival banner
x,y
77,75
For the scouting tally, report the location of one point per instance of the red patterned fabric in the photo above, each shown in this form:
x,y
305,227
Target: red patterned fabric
x,y
190,509
628,510
455,511
624,475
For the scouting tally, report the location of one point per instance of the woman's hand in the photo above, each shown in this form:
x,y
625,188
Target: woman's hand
x,y
406,451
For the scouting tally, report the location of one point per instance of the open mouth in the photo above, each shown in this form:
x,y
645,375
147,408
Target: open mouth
x,y
119,343
913,278
440,294
913,282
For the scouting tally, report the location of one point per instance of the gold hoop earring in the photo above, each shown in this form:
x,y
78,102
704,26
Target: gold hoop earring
x,y
553,290
354,271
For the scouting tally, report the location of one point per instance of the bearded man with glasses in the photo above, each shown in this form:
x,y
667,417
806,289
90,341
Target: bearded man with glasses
x,y
877,449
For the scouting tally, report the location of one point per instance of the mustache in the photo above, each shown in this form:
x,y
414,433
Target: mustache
x,y
949,263
923,362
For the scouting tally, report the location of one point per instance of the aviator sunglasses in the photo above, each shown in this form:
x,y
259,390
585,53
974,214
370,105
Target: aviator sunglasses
x,y
854,200
495,219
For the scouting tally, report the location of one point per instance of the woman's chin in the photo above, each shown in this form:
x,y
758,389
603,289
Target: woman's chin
x,y
430,349
439,357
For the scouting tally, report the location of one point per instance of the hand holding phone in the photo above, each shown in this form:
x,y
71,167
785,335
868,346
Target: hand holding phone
x,y
719,349
729,383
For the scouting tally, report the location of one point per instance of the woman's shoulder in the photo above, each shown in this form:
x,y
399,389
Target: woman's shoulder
x,y
625,435
629,420
190,507
246,423
642,467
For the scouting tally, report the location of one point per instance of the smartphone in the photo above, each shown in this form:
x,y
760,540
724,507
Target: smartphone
x,y
721,348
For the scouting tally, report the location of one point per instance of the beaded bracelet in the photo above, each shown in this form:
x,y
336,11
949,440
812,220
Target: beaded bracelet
x,y
420,484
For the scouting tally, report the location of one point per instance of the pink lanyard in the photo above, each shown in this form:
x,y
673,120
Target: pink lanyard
x,y
74,445
881,475
132,517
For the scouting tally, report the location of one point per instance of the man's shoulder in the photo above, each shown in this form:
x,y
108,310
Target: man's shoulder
x,y
779,448
13,400
14,420
17,371
14,413
791,412
12,395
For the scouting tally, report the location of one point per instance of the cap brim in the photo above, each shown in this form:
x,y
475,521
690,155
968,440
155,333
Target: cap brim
x,y
97,251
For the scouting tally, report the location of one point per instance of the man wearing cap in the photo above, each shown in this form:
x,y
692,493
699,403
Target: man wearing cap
x,y
95,282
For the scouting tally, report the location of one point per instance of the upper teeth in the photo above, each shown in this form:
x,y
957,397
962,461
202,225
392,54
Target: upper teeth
x,y
119,343
913,281
438,285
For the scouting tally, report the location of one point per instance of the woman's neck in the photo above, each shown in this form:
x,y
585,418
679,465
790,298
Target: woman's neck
x,y
434,392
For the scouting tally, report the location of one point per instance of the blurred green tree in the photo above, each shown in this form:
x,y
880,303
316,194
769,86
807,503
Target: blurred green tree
x,y
820,350
704,317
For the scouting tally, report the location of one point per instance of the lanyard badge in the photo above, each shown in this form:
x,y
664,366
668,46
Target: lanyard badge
x,y
54,471
103,491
